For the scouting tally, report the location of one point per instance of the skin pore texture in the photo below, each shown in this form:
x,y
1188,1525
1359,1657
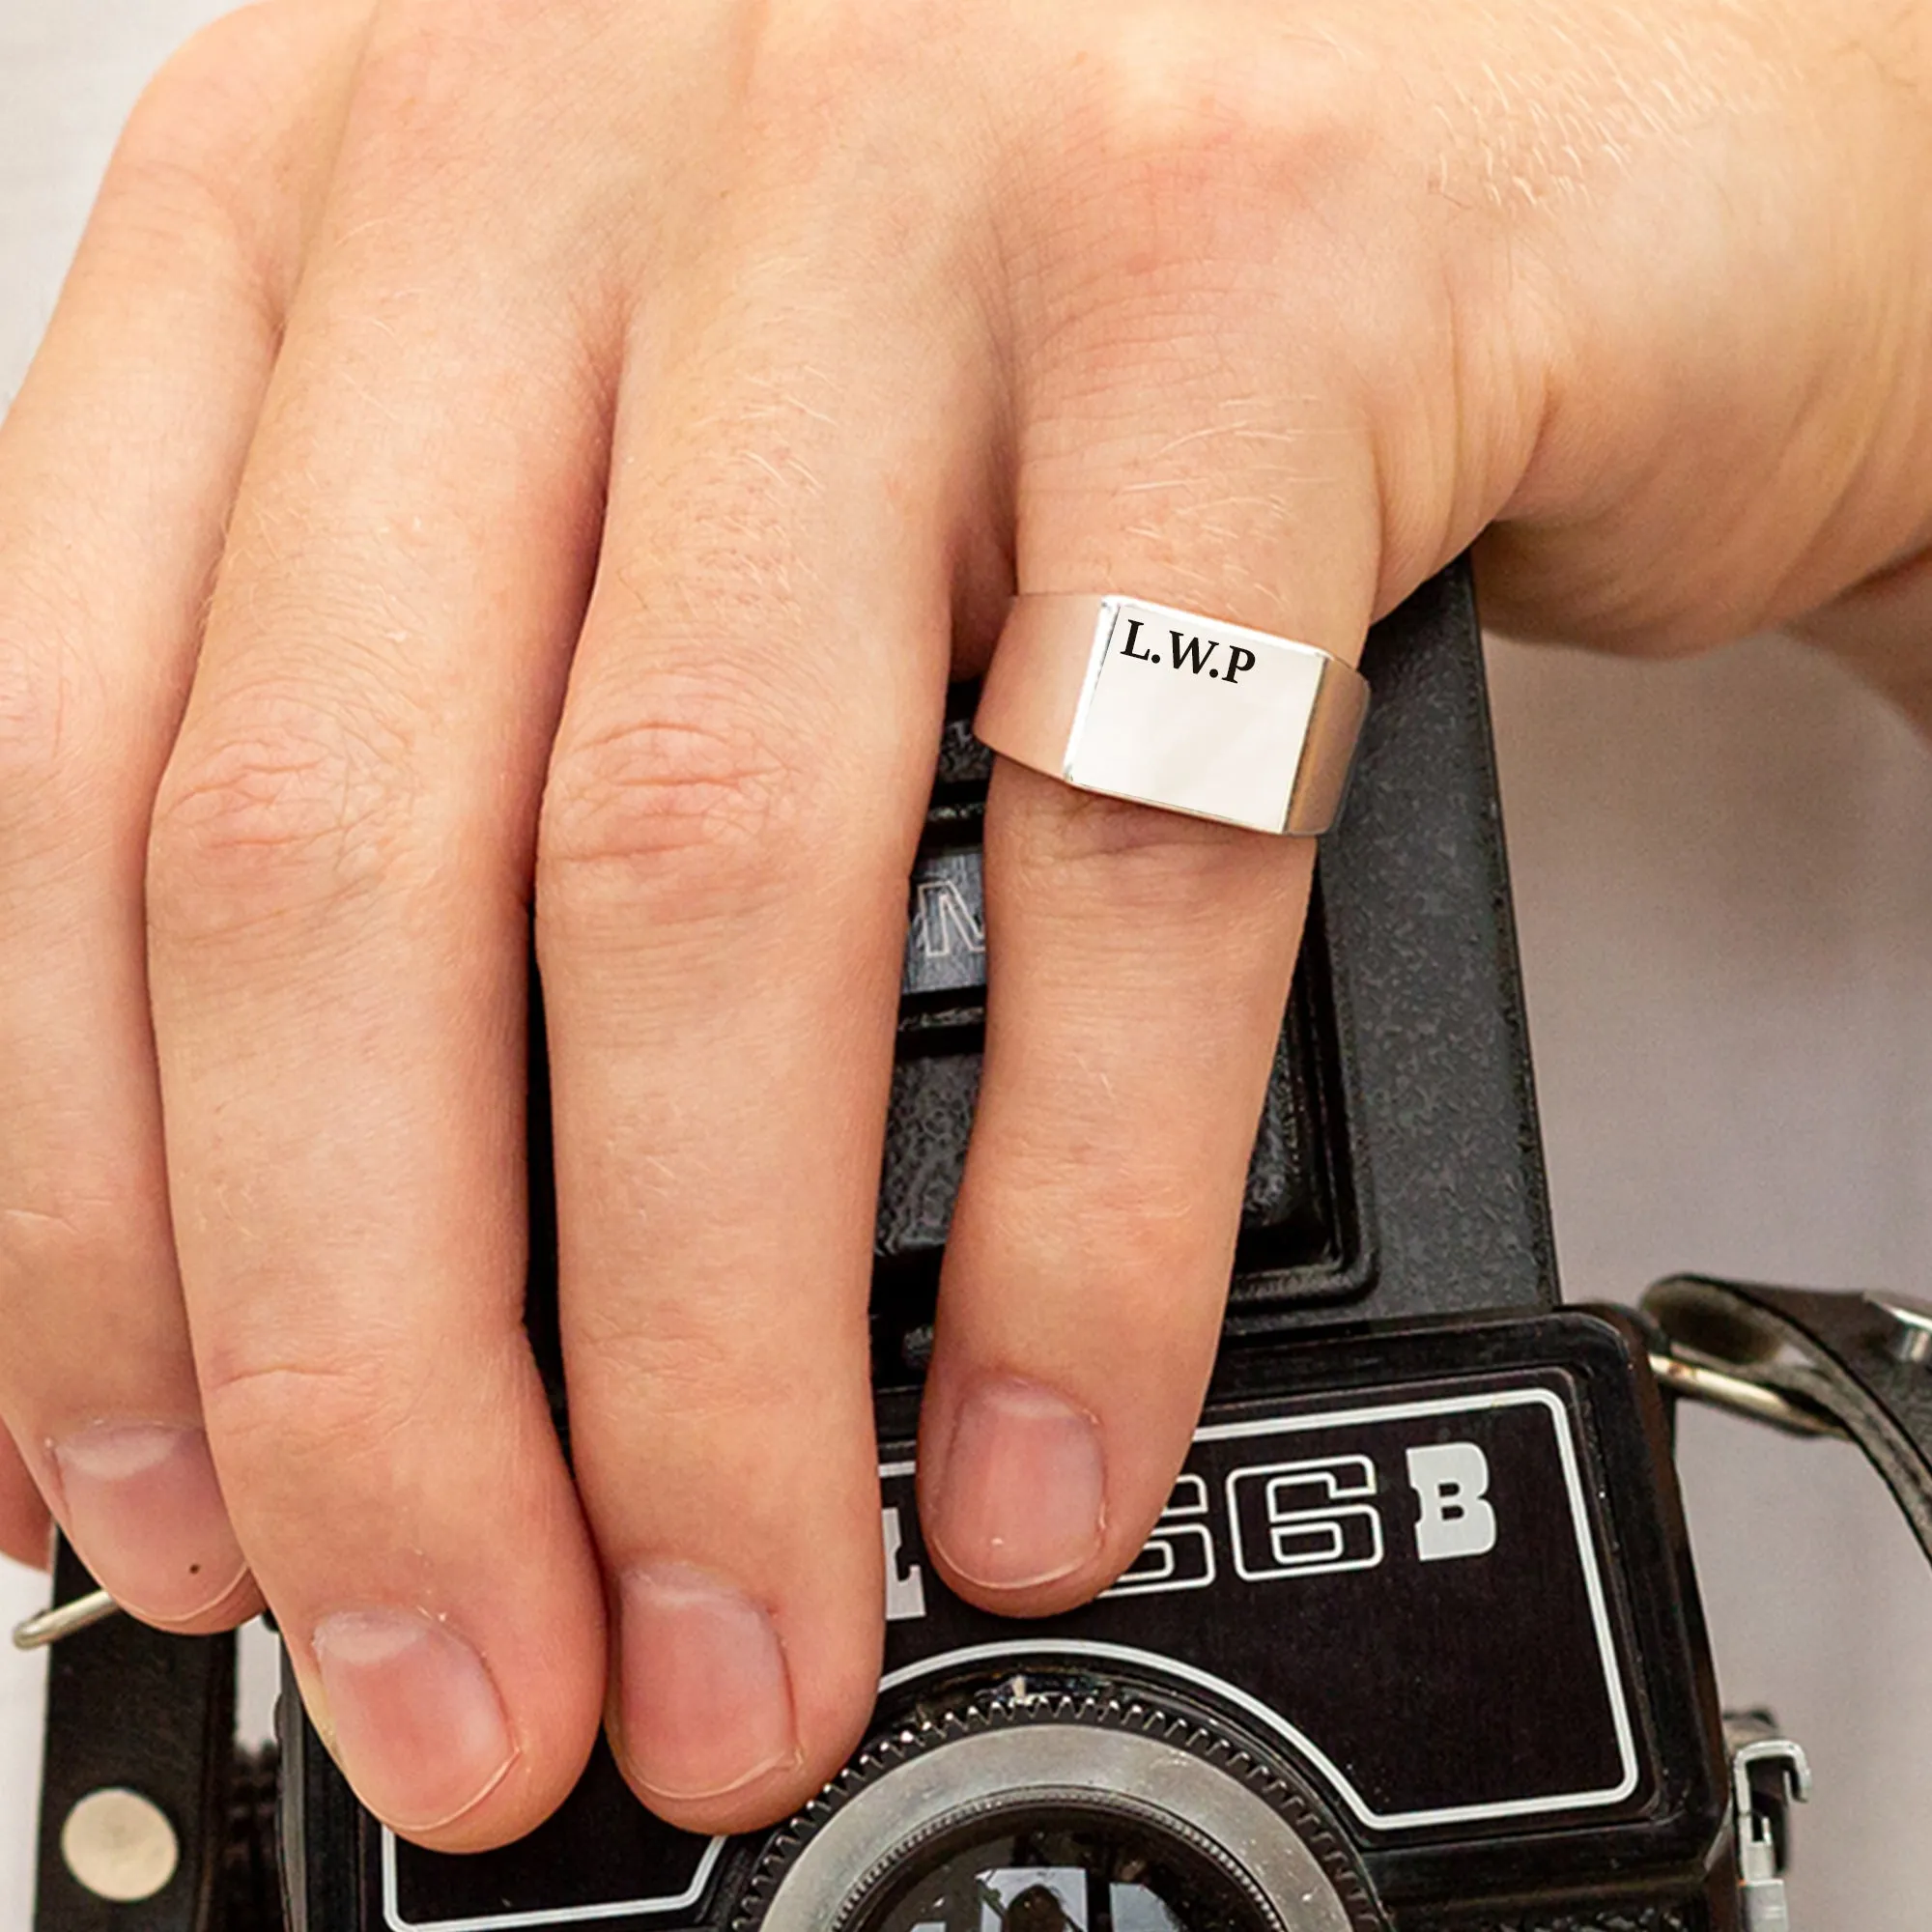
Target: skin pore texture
x,y
498,460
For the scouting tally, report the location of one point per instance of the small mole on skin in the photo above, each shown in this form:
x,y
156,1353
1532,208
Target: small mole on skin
x,y
194,1569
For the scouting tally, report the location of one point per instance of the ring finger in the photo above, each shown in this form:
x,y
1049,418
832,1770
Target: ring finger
x,y
1139,969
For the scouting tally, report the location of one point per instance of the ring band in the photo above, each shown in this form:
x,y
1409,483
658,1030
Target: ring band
x,y
1169,708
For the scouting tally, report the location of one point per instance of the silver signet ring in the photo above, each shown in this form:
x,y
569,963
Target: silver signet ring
x,y
1173,709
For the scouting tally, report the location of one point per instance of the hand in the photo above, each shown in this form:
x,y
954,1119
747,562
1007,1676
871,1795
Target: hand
x,y
493,453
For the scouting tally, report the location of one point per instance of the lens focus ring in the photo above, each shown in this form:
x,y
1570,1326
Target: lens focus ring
x,y
1048,1812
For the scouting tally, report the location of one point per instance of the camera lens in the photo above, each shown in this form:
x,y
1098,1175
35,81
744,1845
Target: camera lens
x,y
1058,1814
1067,1868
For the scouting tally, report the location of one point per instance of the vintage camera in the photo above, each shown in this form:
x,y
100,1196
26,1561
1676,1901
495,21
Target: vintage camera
x,y
1415,1647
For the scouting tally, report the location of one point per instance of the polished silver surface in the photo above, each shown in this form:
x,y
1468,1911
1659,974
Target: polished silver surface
x,y
1697,1378
47,1627
1763,1903
1169,708
1909,1339
119,1845
1054,1760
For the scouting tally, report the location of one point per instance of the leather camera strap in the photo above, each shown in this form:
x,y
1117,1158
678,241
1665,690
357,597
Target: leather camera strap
x,y
1860,1365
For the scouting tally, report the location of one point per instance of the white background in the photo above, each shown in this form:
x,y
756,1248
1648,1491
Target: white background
x,y
1725,898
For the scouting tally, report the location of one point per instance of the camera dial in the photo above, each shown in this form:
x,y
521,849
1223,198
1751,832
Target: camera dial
x,y
1023,1812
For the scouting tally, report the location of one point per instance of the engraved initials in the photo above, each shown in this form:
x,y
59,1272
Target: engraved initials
x,y
1191,654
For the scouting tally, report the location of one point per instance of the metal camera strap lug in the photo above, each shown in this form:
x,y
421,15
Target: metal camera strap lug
x,y
59,1620
1767,1775
1812,1363
1685,1372
1859,1366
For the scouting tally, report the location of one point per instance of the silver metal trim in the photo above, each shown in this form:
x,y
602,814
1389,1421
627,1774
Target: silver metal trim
x,y
1045,1650
49,1626
1226,723
1586,1549
1045,1758
569,1915
1762,1900
1910,1338
119,1845
1039,1650
1695,1378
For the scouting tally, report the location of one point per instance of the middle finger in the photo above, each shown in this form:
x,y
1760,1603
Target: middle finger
x,y
731,816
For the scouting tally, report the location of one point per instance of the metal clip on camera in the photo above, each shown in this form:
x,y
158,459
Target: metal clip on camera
x,y
1416,1646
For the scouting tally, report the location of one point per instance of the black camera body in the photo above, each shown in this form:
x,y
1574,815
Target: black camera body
x,y
1416,1643
1415,1647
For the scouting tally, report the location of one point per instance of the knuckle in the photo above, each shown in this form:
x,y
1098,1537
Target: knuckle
x,y
816,52
444,99
1168,114
416,89
50,718
61,1241
1138,859
297,813
693,803
689,1369
197,142
238,46
690,1372
272,1413
32,707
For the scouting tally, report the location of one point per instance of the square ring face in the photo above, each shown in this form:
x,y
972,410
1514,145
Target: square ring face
x,y
1208,719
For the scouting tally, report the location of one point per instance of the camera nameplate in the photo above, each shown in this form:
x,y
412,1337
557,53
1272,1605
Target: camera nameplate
x,y
1346,1558
1158,1630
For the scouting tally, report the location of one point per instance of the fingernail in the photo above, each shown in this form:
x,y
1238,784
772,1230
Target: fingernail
x,y
146,1514
412,1715
1022,1488
705,1697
